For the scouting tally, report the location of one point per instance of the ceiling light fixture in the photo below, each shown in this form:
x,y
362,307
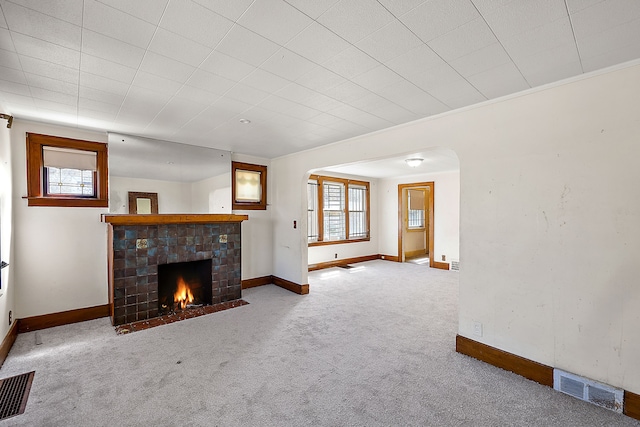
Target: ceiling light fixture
x,y
245,121
415,162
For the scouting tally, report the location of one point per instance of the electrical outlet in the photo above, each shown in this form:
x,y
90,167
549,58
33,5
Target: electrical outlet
x,y
444,257
477,328
335,256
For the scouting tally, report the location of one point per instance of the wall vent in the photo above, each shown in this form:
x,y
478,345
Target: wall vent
x,y
588,390
455,264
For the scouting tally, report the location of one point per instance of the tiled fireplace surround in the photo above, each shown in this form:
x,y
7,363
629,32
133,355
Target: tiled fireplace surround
x,y
133,269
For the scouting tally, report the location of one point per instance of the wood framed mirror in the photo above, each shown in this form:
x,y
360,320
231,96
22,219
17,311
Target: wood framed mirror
x,y
143,203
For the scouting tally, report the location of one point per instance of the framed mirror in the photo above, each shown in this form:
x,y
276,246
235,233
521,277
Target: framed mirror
x,y
143,203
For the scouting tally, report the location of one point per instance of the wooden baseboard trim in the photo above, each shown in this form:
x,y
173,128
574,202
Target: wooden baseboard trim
x,y
291,286
8,341
631,405
337,262
257,281
534,371
392,258
441,265
62,318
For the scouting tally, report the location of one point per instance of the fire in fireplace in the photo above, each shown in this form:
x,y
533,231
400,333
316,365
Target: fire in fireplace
x,y
184,285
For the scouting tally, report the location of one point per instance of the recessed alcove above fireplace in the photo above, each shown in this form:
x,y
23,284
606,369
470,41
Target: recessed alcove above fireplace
x,y
142,246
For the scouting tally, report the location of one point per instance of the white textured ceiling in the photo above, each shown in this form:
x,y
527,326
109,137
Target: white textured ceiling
x,y
304,72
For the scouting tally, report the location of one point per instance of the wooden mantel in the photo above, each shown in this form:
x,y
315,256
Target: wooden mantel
x,y
156,219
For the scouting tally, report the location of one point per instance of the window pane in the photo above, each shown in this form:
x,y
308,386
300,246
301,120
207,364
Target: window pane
x,y
333,210
357,212
312,211
72,182
415,202
248,188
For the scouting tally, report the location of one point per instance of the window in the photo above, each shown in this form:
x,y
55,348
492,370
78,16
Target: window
x,y
66,172
415,207
249,186
337,210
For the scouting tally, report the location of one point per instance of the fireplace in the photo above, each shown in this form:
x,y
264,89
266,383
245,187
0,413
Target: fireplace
x,y
183,285
142,246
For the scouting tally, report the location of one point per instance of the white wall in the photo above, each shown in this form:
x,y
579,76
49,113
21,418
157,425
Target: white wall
x,y
7,293
257,232
173,197
59,261
446,214
212,195
549,219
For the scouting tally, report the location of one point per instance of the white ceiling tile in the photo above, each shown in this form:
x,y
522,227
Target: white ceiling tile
x,y
258,115
355,19
48,69
104,47
116,24
369,102
394,113
467,38
105,68
416,60
49,95
227,66
140,107
104,83
317,43
5,40
14,88
400,7
57,107
325,119
603,16
96,114
312,8
10,59
409,96
46,51
268,18
359,117
263,80
156,83
288,65
101,96
347,92
3,22
296,93
68,10
488,6
499,81
93,105
179,48
376,78
278,104
303,112
577,5
553,73
442,16
321,102
390,41
176,113
52,84
210,82
166,67
246,94
320,79
544,37
247,46
229,9
195,22
611,57
457,94
147,10
12,75
19,103
41,26
433,77
552,58
481,60
351,62
613,46
524,15
193,94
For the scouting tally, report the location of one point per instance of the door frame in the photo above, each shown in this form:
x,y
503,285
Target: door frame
x,y
401,188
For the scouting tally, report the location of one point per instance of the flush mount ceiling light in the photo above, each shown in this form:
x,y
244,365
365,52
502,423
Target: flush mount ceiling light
x,y
245,121
415,162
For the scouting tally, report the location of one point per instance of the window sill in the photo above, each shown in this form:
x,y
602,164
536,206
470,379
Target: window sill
x,y
422,229
68,202
338,242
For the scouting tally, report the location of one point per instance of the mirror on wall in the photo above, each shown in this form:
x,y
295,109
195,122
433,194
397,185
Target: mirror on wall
x,y
182,178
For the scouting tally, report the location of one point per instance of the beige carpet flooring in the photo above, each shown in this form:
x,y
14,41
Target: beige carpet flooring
x,y
369,346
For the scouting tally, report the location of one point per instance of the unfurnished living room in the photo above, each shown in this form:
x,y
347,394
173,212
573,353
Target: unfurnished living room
x,y
319,212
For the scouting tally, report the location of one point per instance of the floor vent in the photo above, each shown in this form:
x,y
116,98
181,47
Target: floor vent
x,y
455,265
588,390
14,393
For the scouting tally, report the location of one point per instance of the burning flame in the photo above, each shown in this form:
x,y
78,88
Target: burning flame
x,y
183,295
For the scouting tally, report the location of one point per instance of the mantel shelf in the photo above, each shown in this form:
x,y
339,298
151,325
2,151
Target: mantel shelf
x,y
155,219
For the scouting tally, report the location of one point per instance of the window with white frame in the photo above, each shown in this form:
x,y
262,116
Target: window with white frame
x,y
337,210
